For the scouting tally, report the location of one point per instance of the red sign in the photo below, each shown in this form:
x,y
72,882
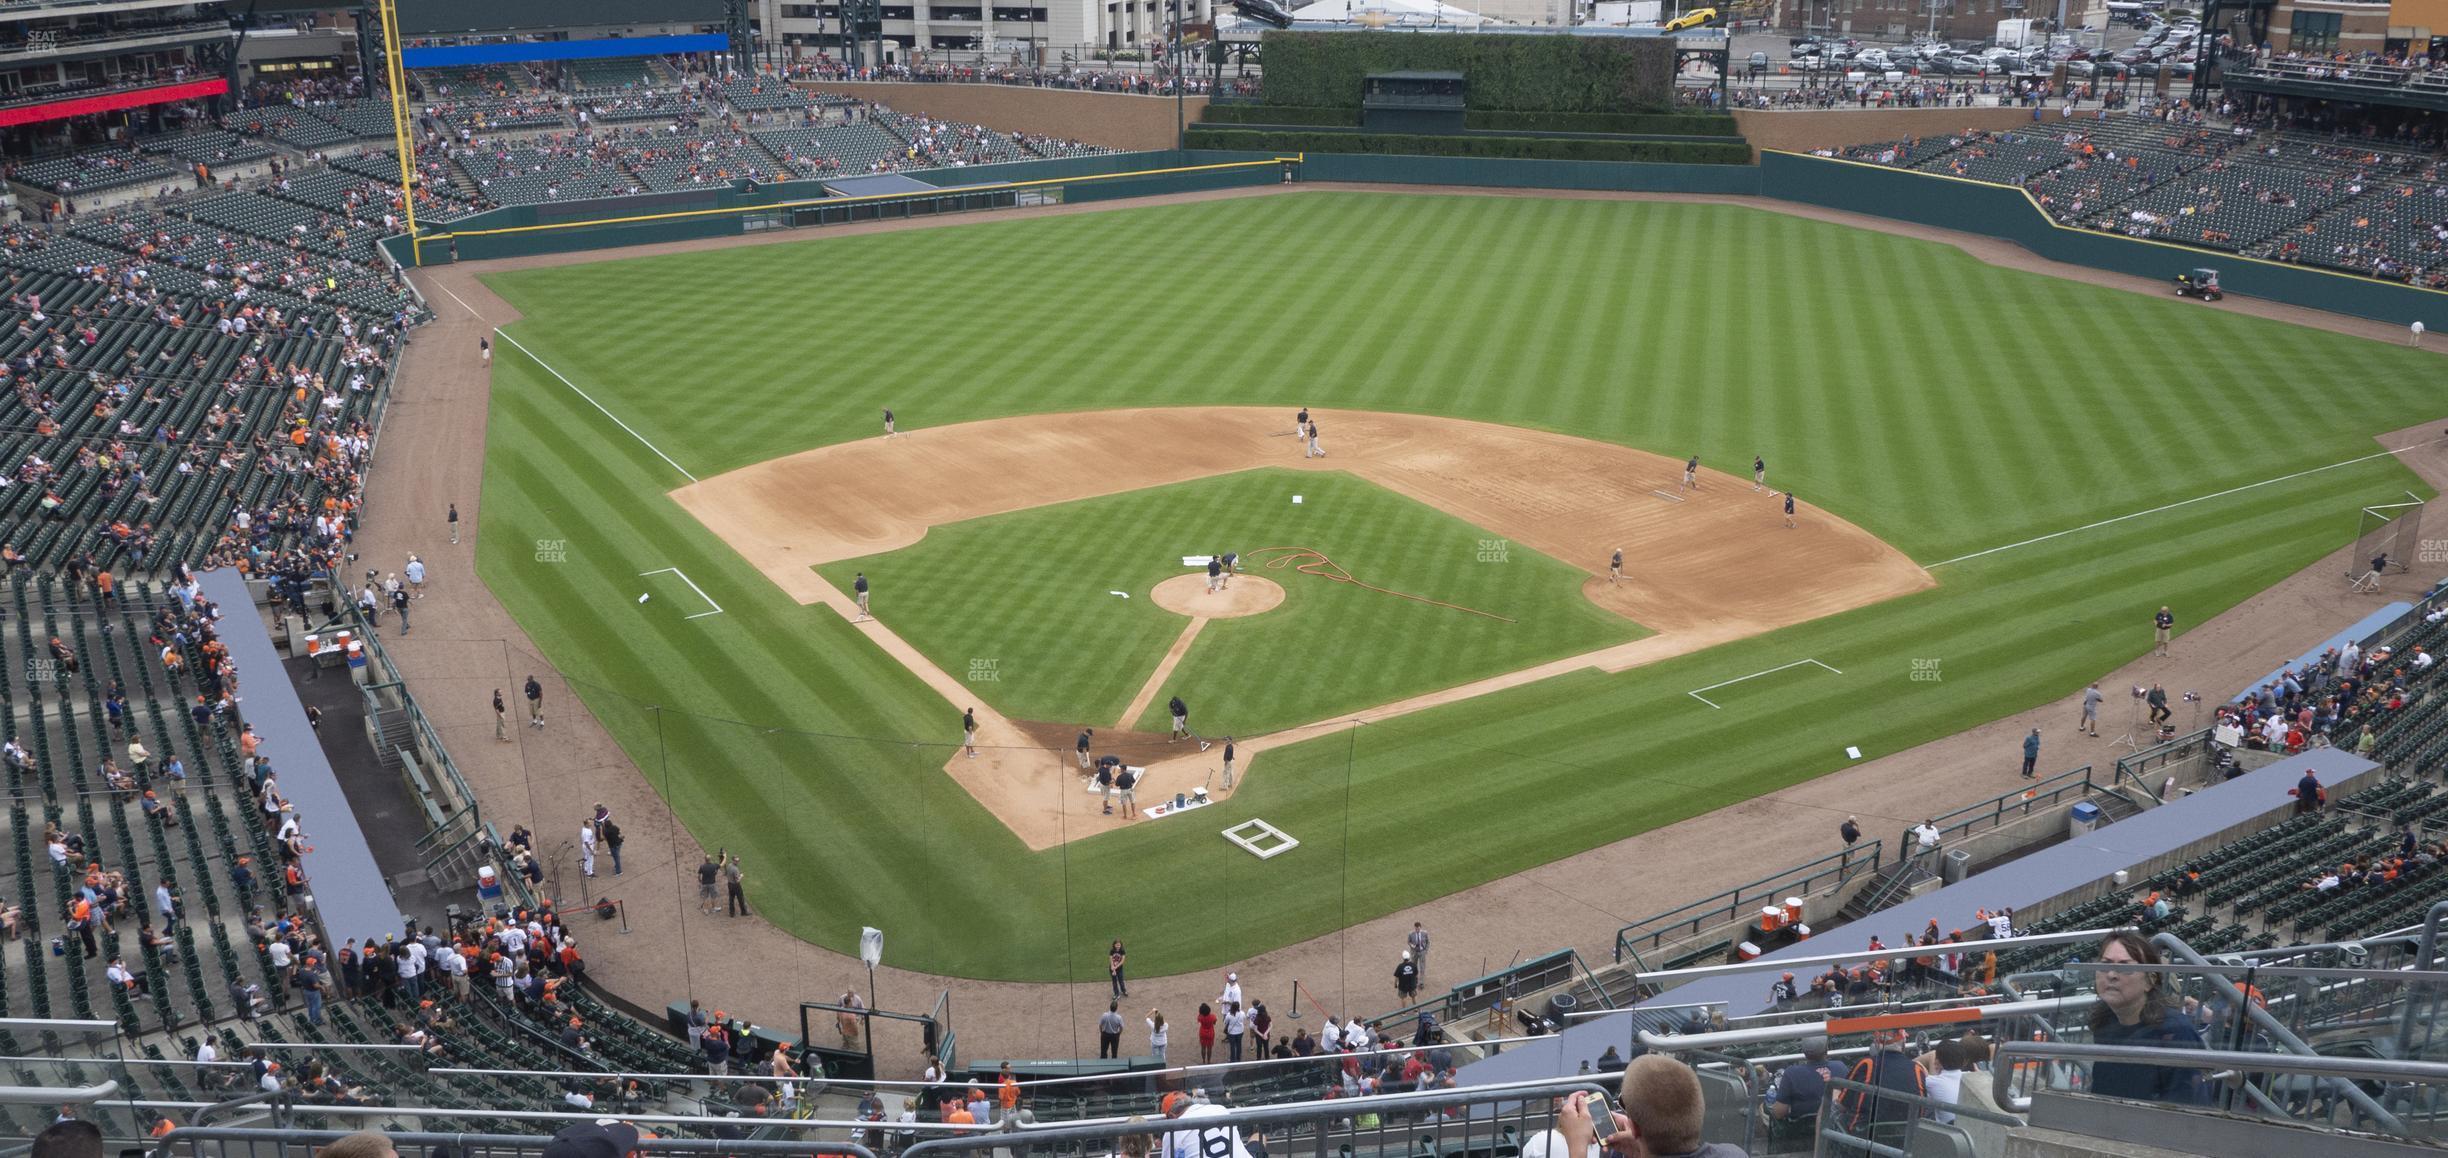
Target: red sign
x,y
111,102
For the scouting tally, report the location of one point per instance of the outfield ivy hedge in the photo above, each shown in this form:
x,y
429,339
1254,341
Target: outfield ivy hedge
x,y
1570,74
1423,145
1630,124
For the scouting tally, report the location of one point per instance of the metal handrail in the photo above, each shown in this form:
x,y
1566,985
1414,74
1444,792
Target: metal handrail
x,y
1233,1119
198,1137
1764,964
1732,905
1724,1038
2347,1069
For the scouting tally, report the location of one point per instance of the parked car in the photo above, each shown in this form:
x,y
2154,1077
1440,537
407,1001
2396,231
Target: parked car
x,y
1696,18
1872,60
2110,70
1759,63
1807,38
2081,68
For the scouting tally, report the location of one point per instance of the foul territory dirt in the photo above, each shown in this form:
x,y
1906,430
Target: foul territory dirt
x,y
1702,565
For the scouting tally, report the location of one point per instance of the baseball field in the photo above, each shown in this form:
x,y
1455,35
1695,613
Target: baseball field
x,y
2001,475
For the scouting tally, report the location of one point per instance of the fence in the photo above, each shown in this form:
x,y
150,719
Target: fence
x,y
1738,903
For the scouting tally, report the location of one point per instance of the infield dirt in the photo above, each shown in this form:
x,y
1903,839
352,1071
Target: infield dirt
x,y
1703,566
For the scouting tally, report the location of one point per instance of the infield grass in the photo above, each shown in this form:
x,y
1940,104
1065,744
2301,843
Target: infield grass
x,y
1945,405
1060,647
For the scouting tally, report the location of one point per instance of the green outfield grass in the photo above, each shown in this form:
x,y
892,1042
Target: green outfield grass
x,y
1945,405
1025,597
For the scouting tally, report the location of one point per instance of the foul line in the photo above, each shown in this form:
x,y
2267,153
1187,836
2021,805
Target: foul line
x,y
1695,692
2181,503
692,586
504,335
462,301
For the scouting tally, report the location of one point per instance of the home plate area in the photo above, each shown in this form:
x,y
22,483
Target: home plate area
x,y
1263,840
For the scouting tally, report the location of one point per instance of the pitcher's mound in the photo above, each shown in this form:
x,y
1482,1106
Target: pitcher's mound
x,y
1188,595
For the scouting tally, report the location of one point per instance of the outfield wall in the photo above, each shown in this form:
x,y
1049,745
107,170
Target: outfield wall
x,y
2009,214
1934,200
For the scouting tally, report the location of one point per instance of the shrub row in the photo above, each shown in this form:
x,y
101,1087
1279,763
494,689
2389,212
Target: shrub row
x,y
1527,73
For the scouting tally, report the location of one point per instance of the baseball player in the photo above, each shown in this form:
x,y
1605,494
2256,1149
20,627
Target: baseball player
x,y
1759,472
969,731
1615,567
1126,782
1315,451
1105,768
1691,474
859,586
1228,763
1300,428
1087,738
888,422
1215,573
1789,504
1232,567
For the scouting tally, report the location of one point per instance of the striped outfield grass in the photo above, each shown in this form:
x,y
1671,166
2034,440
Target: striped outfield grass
x,y
1028,592
1943,404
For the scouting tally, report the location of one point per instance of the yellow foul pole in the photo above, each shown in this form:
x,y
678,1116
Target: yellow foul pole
x,y
401,137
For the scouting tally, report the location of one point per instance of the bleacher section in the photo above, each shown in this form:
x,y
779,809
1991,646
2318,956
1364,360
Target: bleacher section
x,y
2288,197
93,172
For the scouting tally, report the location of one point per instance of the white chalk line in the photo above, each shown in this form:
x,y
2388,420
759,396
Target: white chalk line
x,y
456,298
2174,505
692,586
658,452
1695,692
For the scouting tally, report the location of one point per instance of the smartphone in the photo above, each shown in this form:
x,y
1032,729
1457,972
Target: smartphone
x,y
1601,1116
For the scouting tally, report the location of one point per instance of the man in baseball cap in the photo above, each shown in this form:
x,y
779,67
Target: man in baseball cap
x,y
601,1138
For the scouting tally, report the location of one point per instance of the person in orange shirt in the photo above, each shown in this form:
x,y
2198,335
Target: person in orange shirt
x,y
1007,1090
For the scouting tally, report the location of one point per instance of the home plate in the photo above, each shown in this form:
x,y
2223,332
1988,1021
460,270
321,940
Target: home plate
x,y
1262,840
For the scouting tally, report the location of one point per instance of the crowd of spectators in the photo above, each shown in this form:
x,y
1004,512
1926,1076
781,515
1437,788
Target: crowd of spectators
x,y
1158,83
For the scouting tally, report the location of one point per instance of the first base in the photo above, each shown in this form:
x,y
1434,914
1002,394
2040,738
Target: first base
x,y
1262,840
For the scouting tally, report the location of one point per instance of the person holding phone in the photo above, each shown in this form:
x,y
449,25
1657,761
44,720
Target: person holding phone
x,y
1660,1117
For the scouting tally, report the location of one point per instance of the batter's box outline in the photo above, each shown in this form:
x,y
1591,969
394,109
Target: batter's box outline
x,y
1282,842
692,586
1695,692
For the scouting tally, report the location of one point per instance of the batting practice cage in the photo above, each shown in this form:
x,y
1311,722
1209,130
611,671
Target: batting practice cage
x,y
2394,529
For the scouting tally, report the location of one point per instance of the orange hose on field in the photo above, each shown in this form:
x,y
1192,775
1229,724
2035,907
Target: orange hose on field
x,y
1309,561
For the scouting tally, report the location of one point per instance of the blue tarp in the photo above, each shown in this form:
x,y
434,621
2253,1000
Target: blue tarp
x,y
463,55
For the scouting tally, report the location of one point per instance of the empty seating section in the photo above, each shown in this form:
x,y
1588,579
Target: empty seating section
x,y
763,94
93,172
214,147
231,256
289,125
612,74
555,167
472,115
2353,205
288,222
854,148
363,119
665,161
948,143
2228,204
632,107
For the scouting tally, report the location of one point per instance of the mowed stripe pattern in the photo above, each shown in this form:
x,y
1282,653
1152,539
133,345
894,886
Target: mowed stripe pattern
x,y
1940,403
